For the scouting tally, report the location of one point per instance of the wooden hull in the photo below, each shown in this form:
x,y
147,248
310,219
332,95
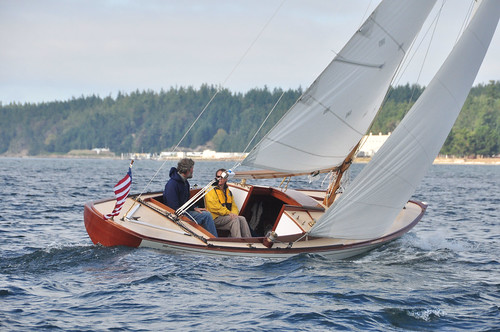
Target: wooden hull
x,y
150,225
105,232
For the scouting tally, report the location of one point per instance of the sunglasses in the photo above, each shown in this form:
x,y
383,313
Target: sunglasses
x,y
222,175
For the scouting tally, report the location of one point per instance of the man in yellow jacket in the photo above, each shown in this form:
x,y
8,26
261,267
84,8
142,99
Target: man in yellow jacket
x,y
219,201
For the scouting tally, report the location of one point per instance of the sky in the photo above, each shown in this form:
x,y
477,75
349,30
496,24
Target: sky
x,y
59,49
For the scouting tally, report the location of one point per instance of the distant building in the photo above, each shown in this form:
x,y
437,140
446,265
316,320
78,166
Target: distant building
x,y
168,155
206,154
194,154
99,150
371,144
139,156
210,154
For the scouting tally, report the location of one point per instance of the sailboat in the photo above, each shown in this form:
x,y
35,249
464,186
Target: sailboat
x,y
321,133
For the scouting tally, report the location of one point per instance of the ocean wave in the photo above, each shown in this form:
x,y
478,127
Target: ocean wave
x,y
57,257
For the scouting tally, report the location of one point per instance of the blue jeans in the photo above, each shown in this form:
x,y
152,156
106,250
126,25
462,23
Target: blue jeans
x,y
205,220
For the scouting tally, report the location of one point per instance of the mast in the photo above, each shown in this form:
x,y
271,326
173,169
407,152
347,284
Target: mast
x,y
331,192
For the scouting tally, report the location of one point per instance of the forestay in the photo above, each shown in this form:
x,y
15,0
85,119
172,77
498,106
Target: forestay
x,y
379,192
334,113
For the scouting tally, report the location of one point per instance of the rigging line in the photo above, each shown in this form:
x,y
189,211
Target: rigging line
x,y
258,130
254,41
467,18
363,19
175,148
216,93
435,22
409,61
399,71
430,42
199,195
197,118
366,11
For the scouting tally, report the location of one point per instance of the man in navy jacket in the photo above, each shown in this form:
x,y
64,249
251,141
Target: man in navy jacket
x,y
176,193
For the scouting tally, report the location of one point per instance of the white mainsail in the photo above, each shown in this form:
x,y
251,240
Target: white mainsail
x,y
331,117
379,192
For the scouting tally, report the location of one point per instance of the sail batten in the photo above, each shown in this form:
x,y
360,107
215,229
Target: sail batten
x,y
378,66
334,113
374,199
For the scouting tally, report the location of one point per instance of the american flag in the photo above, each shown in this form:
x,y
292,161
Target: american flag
x,y
122,189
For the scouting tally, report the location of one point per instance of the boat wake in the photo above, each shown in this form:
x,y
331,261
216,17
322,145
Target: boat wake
x,y
434,242
412,248
409,317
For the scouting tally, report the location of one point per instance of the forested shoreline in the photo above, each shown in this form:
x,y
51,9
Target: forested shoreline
x,y
149,121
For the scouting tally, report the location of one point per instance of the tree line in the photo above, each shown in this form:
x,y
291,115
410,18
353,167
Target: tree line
x,y
148,121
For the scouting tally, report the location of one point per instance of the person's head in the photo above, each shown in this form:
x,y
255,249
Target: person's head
x,y
185,167
218,176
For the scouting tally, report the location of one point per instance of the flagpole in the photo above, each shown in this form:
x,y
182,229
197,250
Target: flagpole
x,y
135,201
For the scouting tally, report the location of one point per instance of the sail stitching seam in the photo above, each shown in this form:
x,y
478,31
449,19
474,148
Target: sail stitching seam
x,y
327,109
304,151
400,46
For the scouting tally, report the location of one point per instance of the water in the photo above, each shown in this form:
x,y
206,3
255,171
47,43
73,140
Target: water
x,y
443,275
